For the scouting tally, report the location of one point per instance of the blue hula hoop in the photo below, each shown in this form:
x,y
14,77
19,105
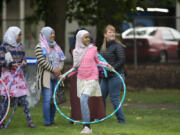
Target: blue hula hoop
x,y
95,121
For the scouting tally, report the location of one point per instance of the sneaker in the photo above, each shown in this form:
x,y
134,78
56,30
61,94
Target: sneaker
x,y
122,121
31,125
2,126
52,123
86,130
48,125
70,122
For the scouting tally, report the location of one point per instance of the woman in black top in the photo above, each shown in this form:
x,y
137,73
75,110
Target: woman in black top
x,y
113,51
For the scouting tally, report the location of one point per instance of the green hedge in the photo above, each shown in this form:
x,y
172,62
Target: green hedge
x,y
148,76
153,76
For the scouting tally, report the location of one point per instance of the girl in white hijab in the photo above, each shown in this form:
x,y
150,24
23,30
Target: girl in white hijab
x,y
11,35
12,55
86,60
80,48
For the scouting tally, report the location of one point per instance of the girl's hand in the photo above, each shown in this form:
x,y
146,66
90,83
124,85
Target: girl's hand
x,y
110,67
56,71
15,65
62,76
24,63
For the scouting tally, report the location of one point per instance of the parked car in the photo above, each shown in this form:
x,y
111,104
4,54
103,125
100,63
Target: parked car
x,y
178,49
152,43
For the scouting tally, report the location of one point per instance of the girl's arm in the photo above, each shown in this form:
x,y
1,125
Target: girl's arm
x,y
23,54
100,62
2,56
24,57
71,72
3,61
42,60
97,59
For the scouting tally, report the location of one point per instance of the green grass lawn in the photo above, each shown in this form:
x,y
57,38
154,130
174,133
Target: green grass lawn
x,y
154,96
140,121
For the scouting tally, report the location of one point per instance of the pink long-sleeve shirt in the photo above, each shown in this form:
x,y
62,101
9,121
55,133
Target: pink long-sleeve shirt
x,y
88,67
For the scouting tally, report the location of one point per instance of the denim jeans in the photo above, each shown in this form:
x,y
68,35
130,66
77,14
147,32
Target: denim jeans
x,y
113,86
85,108
48,107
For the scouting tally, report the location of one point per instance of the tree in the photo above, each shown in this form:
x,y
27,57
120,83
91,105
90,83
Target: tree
x,y
55,17
103,12
88,12
53,14
100,13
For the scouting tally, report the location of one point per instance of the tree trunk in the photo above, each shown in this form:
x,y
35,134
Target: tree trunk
x,y
100,36
55,18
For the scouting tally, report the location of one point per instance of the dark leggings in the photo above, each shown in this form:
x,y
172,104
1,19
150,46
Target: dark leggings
x,y
21,100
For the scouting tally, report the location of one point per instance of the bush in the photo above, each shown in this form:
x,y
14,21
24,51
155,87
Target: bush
x,y
153,76
147,77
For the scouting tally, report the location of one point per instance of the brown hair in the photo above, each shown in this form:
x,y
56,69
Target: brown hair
x,y
111,27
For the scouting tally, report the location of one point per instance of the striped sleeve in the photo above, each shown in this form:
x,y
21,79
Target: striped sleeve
x,y
42,62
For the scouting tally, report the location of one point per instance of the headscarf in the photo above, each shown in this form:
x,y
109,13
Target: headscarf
x,y
46,31
80,48
46,43
11,35
73,42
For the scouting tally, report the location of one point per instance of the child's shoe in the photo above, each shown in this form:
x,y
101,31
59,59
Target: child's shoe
x,y
2,126
86,130
31,125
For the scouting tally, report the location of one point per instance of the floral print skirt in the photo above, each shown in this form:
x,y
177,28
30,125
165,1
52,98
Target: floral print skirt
x,y
19,86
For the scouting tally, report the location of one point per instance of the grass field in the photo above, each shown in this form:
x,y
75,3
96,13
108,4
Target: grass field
x,y
140,120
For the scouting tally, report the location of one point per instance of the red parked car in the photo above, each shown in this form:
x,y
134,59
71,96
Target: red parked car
x,y
179,49
152,44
